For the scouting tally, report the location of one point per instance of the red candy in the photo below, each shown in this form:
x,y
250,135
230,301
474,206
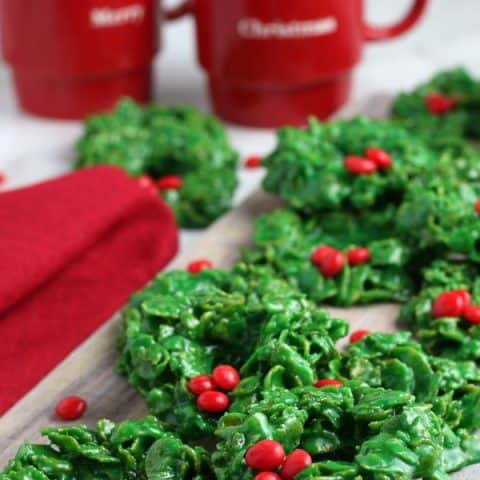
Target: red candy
x,y
297,461
319,253
439,104
358,255
359,165
379,157
358,335
449,304
3,178
213,402
477,206
265,455
170,182
198,265
268,476
225,377
70,408
148,184
331,263
467,300
200,384
253,161
471,314
328,382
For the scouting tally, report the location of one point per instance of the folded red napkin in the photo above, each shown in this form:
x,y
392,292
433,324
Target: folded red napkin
x,y
72,250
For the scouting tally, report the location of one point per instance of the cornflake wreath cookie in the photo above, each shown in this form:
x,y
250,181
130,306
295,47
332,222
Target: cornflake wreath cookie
x,y
446,106
354,164
183,326
177,152
336,258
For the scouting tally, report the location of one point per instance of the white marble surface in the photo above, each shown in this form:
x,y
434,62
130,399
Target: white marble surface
x,y
32,149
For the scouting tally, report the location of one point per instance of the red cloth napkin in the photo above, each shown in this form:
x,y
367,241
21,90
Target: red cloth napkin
x,y
72,250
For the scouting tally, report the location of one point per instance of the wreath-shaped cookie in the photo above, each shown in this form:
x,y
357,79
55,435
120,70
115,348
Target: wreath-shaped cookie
x,y
182,326
446,106
182,154
356,164
335,258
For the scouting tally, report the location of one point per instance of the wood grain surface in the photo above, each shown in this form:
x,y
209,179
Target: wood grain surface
x,y
89,370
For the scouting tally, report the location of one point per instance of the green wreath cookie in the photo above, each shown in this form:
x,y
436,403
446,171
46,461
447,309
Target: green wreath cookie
x,y
182,326
336,258
187,151
327,166
447,106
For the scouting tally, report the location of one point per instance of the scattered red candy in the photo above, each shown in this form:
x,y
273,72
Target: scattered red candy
x,y
265,455
169,182
297,461
331,264
319,253
200,384
471,313
70,408
226,377
358,255
328,382
198,265
253,161
359,165
268,476
379,157
439,104
358,335
148,184
477,206
449,304
213,402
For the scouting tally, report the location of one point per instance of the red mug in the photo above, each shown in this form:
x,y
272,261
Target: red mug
x,y
271,63
71,58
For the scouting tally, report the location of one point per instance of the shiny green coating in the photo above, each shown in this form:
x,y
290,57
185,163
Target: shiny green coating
x,y
285,242
409,108
133,449
157,141
399,414
443,217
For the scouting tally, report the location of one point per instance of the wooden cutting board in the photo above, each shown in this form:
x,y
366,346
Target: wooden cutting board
x,y
89,370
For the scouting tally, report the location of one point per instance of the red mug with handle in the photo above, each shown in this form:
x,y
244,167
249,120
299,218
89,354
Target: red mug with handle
x,y
271,63
71,58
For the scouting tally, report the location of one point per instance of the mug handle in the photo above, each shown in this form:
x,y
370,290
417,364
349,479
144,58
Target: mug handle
x,y
183,9
375,34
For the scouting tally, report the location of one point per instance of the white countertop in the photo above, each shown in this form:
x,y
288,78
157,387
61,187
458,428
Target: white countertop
x,y
32,149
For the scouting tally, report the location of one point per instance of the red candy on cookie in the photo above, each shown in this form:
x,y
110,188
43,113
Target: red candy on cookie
x,y
265,455
225,377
